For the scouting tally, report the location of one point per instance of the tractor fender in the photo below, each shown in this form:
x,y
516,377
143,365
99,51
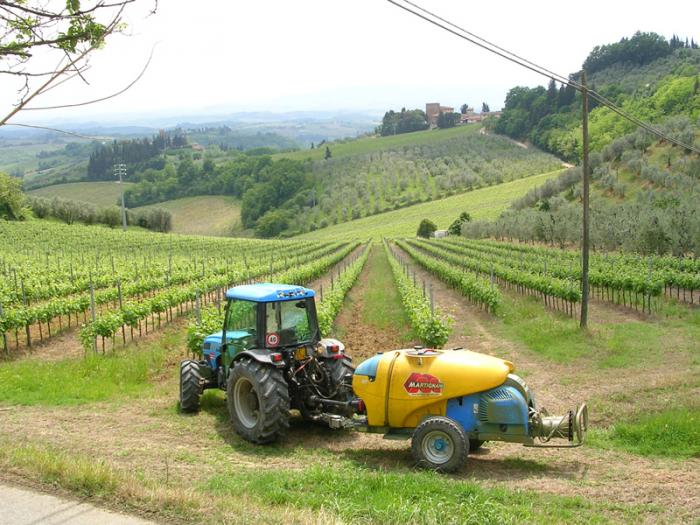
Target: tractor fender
x,y
261,356
331,349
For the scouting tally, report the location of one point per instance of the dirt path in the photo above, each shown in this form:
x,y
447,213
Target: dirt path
x,y
605,475
358,326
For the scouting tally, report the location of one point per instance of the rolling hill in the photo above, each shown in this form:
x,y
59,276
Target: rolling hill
x,y
644,191
485,203
374,175
98,193
214,215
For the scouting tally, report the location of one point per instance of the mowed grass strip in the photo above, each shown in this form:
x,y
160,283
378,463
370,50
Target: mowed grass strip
x,y
215,215
363,495
345,493
672,433
90,379
622,344
484,203
382,306
98,193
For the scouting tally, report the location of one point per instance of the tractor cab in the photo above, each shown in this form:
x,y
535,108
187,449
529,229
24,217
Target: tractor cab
x,y
264,319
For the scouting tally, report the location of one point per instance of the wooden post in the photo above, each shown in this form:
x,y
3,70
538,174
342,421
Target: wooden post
x,y
432,305
26,303
4,335
92,311
585,245
119,292
197,312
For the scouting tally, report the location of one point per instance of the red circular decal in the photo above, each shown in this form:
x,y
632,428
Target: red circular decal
x,y
272,339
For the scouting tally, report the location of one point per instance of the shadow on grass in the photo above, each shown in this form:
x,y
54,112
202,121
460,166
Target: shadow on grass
x,y
306,439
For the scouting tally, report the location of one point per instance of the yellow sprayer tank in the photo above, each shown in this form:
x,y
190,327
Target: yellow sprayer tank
x,y
401,387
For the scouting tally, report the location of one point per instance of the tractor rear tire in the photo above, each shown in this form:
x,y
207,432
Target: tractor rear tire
x,y
190,386
342,372
258,401
439,443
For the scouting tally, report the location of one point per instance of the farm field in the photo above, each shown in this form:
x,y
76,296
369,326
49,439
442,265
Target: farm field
x,y
364,145
100,194
150,459
205,215
372,175
484,203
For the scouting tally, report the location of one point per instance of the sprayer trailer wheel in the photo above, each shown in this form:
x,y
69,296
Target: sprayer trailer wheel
x,y
258,401
439,444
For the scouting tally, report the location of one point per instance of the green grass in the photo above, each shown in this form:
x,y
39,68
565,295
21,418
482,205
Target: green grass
x,y
672,433
97,193
611,345
362,495
214,215
84,380
382,306
345,492
373,144
484,203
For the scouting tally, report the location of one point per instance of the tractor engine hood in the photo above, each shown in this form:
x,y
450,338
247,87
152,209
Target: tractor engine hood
x,y
397,387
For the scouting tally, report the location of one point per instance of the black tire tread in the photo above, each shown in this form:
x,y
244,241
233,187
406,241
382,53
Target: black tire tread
x,y
274,399
190,386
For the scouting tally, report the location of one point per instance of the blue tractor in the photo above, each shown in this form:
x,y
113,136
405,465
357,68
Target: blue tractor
x,y
269,357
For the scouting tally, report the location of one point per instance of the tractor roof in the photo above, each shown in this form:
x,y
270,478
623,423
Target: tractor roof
x,y
267,292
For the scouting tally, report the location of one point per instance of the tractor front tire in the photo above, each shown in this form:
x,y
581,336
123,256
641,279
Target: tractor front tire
x,y
439,443
190,386
258,401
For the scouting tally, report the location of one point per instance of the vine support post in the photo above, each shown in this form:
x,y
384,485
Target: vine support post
x,y
197,311
586,211
4,335
432,303
93,313
121,306
26,304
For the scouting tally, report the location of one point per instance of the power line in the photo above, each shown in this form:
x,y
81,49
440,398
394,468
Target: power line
x,y
481,42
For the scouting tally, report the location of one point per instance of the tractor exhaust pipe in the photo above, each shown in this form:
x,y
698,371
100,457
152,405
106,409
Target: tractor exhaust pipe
x,y
572,426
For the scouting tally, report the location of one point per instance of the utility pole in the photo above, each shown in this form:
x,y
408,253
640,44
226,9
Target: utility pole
x,y
120,171
586,212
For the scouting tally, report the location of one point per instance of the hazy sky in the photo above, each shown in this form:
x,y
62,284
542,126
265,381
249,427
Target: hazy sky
x,y
281,55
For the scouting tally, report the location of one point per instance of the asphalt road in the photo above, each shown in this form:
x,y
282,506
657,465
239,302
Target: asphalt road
x,y
20,506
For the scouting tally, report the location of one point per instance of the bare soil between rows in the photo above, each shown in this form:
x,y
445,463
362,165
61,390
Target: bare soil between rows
x,y
148,436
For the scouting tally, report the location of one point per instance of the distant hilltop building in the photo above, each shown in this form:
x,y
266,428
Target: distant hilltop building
x,y
469,117
433,110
